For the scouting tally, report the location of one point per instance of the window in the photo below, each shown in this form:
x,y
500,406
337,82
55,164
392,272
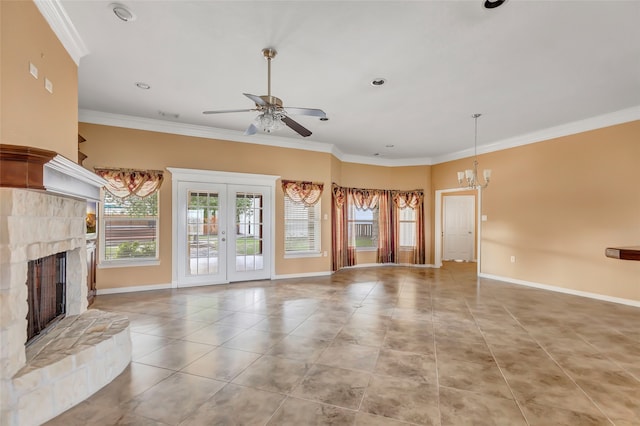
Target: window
x,y
130,228
363,228
302,227
407,227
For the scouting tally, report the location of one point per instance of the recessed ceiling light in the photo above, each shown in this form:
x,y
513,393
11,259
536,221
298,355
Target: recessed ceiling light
x,y
143,86
492,4
122,12
378,81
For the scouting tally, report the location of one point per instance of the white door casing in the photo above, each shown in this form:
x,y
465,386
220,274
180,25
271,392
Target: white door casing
x,y
439,195
221,265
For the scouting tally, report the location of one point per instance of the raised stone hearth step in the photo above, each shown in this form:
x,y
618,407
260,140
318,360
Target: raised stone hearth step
x,y
75,359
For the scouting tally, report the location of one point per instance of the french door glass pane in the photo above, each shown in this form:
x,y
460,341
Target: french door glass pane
x,y
249,231
202,236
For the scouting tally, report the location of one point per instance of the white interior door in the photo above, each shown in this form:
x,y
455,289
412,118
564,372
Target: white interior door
x,y
458,227
223,233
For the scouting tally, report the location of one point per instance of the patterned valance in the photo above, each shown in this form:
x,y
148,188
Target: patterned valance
x,y
409,199
124,183
307,193
366,199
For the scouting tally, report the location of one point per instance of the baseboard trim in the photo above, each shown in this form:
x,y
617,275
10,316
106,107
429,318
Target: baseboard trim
x,y
605,298
380,265
302,275
117,290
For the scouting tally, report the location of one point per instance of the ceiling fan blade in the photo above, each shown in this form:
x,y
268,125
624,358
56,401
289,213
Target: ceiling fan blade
x,y
314,112
251,130
257,99
296,127
224,111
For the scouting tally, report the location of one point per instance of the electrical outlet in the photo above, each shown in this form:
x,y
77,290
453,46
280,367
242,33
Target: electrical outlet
x,y
324,253
513,259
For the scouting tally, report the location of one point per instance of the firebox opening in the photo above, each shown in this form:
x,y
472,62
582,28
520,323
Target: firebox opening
x,y
46,287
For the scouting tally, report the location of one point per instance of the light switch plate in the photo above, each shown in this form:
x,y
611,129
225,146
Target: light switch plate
x,y
48,85
33,70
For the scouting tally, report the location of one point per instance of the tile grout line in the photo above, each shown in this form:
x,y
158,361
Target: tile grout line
x,y
559,366
496,361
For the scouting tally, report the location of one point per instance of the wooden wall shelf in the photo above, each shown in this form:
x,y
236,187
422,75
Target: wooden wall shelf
x,y
624,253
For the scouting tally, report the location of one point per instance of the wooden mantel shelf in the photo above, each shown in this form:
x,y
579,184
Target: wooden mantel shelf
x,y
625,253
32,168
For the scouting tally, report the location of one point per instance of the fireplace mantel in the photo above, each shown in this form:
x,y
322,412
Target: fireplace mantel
x,y
34,168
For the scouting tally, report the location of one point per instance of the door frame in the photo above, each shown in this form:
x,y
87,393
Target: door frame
x,y
437,257
217,177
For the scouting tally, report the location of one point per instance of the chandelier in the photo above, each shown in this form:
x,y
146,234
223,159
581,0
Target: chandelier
x,y
469,178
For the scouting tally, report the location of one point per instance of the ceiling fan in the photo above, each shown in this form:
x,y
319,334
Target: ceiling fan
x,y
273,114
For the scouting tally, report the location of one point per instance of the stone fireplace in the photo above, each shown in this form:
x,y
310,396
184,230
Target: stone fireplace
x,y
43,204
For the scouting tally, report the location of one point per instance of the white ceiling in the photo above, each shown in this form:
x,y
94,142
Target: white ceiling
x,y
527,66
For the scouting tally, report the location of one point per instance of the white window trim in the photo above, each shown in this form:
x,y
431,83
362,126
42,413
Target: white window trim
x,y
106,264
301,254
124,263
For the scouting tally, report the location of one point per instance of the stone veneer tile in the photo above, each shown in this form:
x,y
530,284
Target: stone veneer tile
x,y
84,354
11,301
71,389
29,380
36,407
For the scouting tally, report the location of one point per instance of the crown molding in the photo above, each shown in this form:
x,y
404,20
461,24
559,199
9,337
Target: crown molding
x,y
172,127
592,123
154,125
57,18
387,162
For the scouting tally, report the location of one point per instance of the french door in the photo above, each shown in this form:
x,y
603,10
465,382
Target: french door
x,y
223,233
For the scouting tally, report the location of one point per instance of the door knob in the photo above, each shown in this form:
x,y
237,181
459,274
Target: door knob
x,y
224,239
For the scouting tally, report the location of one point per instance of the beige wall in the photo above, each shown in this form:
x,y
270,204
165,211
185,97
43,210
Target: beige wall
x,y
30,115
119,147
556,205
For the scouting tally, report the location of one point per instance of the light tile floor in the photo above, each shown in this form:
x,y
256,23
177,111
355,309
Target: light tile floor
x,y
372,346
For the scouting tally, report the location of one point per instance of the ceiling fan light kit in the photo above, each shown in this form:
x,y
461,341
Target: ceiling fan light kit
x,y
273,114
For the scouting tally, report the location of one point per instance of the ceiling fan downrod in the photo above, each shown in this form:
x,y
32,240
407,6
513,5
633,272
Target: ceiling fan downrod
x,y
269,54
